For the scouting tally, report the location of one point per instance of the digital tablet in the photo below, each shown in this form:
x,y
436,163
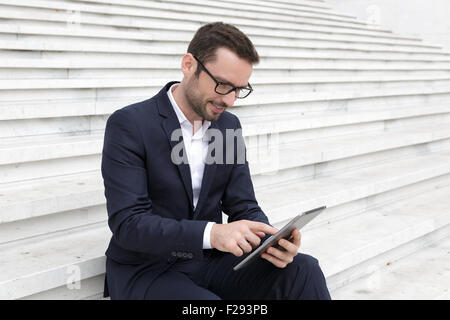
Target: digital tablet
x,y
296,223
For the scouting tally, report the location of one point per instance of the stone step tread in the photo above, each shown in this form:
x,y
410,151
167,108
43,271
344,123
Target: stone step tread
x,y
358,183
170,11
64,83
43,196
382,229
267,29
71,62
423,275
198,7
345,243
35,148
190,24
96,47
29,109
291,155
48,263
84,44
299,120
227,8
171,35
29,199
299,5
294,2
347,64
262,99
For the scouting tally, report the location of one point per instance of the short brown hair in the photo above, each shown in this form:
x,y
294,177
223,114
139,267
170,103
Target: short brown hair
x,y
212,36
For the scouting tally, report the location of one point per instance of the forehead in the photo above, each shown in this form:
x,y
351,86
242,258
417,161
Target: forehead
x,y
229,67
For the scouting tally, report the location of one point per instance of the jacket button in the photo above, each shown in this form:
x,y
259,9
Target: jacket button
x,y
179,254
174,254
190,256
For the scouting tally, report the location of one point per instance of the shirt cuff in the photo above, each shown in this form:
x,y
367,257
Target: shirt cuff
x,y
207,236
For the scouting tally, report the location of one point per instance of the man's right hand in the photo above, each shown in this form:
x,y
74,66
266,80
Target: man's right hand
x,y
239,236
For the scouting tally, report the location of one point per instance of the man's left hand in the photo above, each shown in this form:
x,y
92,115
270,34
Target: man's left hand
x,y
283,256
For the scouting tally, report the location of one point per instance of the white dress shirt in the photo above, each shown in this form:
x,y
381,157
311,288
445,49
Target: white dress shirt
x,y
196,150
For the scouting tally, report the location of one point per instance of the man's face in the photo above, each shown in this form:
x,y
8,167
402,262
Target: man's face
x,y
228,68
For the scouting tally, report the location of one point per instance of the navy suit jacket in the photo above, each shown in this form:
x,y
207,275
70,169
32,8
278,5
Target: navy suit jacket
x,y
149,198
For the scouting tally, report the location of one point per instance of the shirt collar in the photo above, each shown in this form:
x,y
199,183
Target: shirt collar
x,y
180,115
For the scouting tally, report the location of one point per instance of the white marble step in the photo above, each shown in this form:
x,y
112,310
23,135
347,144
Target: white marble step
x,y
29,199
136,39
88,289
266,124
35,32
269,157
227,7
40,106
147,29
70,117
268,153
69,14
92,288
38,148
177,23
298,6
129,47
48,263
22,200
182,26
282,202
294,2
74,60
422,275
314,96
268,6
356,246
261,84
99,81
37,266
209,3
42,226
162,10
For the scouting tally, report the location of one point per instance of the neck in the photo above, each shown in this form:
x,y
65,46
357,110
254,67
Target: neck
x,y
190,114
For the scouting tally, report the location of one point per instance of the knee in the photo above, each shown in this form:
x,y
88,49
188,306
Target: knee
x,y
307,269
306,263
310,281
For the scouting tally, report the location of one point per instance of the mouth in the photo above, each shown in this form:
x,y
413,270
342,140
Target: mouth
x,y
216,108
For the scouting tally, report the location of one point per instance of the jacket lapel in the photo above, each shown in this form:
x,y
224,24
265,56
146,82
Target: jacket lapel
x,y
170,124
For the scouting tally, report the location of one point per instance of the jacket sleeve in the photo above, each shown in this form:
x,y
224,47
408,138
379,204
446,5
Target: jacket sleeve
x,y
131,217
238,200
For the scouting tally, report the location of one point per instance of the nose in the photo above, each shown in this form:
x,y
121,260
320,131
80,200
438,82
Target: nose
x,y
230,98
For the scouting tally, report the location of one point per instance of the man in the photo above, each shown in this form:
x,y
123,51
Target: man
x,y
165,197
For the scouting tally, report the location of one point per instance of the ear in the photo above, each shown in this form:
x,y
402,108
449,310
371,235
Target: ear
x,y
188,65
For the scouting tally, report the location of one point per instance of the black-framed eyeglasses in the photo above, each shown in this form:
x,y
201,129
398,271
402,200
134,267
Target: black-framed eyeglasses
x,y
225,88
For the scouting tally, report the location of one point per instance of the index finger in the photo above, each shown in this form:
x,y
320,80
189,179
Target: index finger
x,y
261,226
296,237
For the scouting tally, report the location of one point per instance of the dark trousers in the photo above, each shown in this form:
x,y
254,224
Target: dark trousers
x,y
213,278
